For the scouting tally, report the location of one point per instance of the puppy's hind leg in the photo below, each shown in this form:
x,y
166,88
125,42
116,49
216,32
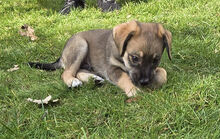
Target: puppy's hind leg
x,y
85,75
74,53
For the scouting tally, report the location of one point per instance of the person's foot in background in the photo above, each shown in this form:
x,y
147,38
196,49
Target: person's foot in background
x,y
105,5
69,4
108,5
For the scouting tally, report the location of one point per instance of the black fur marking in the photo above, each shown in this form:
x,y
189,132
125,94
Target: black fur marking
x,y
46,66
166,46
79,3
130,35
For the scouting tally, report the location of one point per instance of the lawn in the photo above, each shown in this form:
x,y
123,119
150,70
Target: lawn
x,y
188,106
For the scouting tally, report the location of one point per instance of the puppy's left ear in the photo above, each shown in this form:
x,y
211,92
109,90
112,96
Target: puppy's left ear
x,y
166,35
123,33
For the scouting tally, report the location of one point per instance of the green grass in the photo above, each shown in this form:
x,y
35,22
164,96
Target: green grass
x,y
188,106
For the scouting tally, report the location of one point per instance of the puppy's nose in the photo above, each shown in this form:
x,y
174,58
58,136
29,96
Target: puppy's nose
x,y
144,81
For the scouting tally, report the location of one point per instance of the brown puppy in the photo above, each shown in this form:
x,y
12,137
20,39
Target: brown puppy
x,y
127,56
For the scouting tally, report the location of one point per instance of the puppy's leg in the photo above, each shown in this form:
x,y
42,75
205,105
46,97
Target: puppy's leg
x,y
159,78
69,79
74,53
121,79
85,75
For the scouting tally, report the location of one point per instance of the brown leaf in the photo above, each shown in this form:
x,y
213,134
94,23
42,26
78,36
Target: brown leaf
x,y
133,99
28,31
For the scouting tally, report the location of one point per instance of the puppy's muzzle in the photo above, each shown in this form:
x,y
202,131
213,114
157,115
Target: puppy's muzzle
x,y
144,81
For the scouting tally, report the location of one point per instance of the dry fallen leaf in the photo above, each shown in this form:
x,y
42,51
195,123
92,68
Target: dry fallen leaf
x,y
129,16
13,69
133,99
44,101
27,31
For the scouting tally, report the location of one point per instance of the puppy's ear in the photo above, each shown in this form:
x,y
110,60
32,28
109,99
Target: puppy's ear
x,y
123,33
167,39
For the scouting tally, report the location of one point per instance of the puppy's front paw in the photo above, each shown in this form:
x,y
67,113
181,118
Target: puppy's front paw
x,y
98,79
160,78
76,82
132,92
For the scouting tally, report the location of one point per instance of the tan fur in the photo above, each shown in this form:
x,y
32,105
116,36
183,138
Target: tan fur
x,y
126,62
168,35
160,31
125,84
67,77
138,42
160,78
117,63
84,75
141,53
121,31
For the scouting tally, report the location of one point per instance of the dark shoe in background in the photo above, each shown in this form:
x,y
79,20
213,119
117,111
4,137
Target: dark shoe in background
x,y
108,5
105,5
69,4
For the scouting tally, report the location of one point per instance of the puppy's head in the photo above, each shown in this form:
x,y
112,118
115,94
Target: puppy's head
x,y
141,46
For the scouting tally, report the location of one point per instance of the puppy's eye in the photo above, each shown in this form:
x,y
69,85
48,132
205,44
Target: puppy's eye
x,y
135,59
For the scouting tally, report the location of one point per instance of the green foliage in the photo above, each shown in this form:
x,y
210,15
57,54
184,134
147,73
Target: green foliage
x,y
186,107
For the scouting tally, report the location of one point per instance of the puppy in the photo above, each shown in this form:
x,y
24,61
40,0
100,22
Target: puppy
x,y
127,55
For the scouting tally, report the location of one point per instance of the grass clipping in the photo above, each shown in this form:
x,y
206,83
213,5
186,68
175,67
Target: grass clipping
x,y
47,100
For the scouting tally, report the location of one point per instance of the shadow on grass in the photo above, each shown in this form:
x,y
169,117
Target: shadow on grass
x,y
54,5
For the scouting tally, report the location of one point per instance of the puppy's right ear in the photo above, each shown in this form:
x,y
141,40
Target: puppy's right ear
x,y
123,33
167,39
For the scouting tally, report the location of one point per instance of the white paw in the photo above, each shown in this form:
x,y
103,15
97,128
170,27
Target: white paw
x,y
97,78
76,83
132,92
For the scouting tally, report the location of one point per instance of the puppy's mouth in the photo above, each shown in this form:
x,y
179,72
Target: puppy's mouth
x,y
136,80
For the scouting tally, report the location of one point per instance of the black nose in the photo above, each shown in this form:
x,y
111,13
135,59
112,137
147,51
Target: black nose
x,y
144,81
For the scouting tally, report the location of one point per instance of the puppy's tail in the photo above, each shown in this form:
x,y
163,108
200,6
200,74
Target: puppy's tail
x,y
46,66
